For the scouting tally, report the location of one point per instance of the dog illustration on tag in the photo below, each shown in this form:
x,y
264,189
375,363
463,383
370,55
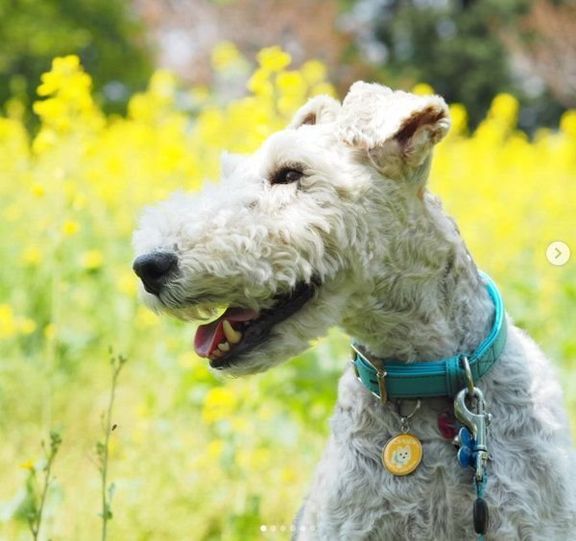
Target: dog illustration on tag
x,y
402,454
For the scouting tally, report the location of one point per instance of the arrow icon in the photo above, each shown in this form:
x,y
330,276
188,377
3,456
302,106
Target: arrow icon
x,y
558,253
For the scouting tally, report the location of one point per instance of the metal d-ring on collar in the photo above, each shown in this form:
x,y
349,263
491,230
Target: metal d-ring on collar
x,y
392,379
468,374
405,419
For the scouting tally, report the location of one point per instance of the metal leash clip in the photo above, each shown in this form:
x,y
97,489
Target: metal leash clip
x,y
473,441
476,421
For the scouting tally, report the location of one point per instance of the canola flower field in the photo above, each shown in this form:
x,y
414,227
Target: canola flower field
x,y
194,457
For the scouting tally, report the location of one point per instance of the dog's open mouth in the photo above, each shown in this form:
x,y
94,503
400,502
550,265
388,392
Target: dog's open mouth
x,y
239,330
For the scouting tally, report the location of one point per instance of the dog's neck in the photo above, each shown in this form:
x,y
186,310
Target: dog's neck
x,y
428,302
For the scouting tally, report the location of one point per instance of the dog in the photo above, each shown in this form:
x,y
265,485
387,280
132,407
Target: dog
x,y
330,222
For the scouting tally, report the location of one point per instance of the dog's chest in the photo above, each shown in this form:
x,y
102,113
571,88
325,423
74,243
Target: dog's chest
x,y
357,483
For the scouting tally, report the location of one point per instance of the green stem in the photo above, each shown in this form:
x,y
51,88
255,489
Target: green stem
x,y
117,364
36,523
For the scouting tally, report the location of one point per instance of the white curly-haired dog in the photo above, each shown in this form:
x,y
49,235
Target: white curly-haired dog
x,y
330,223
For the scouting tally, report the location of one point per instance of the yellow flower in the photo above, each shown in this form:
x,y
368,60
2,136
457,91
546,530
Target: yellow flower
x,y
51,109
38,190
423,89
11,325
260,85
225,55
68,104
28,465
458,119
273,59
32,256
314,72
8,323
220,403
162,85
288,475
568,123
50,331
62,68
44,141
70,228
139,107
92,259
292,89
291,83
505,107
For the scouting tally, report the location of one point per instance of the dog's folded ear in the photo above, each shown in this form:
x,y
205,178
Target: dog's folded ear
x,y
397,129
317,110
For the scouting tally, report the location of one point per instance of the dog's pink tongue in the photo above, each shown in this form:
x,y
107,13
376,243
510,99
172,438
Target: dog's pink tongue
x,y
210,335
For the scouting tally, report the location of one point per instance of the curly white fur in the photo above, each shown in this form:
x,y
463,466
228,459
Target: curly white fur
x,y
396,276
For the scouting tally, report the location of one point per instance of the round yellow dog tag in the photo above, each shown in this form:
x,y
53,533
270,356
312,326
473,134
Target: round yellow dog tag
x,y
402,454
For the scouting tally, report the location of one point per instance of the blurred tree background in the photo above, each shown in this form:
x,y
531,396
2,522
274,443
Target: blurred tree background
x,y
467,50
454,46
470,50
105,34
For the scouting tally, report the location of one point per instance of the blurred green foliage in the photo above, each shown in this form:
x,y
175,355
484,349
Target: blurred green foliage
x,y
104,33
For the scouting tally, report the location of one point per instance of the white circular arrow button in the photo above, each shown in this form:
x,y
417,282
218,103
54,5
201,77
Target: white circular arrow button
x,y
558,253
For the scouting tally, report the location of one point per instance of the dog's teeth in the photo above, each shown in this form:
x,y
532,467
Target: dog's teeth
x,y
224,346
231,335
216,353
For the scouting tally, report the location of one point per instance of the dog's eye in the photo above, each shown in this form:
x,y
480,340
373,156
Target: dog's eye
x,y
286,175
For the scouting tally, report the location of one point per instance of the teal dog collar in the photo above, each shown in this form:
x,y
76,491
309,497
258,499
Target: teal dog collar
x,y
396,380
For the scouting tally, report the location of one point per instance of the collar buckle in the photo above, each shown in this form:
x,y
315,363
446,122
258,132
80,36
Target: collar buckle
x,y
381,374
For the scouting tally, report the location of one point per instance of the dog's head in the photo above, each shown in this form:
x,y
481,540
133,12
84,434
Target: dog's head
x,y
292,232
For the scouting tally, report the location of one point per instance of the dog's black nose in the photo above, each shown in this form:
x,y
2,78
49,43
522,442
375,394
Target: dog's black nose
x,y
153,269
